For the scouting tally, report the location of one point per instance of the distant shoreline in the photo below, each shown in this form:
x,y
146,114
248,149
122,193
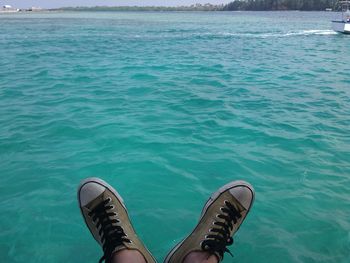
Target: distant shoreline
x,y
141,8
184,11
155,11
192,8
234,5
212,8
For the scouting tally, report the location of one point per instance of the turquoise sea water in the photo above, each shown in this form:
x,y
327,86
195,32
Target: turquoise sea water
x,y
167,107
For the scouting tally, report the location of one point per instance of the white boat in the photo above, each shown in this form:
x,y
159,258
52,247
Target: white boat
x,y
343,25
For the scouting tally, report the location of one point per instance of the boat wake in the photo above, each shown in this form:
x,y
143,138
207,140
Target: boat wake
x,y
310,32
282,34
253,35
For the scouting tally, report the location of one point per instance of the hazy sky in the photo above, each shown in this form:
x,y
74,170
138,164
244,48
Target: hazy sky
x,y
60,3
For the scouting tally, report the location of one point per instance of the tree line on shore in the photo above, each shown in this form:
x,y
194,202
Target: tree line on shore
x,y
265,5
236,5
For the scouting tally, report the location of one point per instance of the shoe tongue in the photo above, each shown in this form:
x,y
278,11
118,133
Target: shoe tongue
x,y
95,202
119,248
122,247
239,207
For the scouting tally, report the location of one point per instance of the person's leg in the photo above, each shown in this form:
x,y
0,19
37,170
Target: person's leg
x,y
106,217
200,257
221,217
128,256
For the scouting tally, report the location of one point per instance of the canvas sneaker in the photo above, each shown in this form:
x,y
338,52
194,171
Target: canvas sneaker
x,y
221,217
107,218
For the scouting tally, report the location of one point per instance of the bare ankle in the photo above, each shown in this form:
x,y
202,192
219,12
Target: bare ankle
x,y
128,256
200,257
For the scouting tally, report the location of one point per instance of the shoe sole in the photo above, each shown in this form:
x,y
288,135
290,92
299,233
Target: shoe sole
x,y
211,199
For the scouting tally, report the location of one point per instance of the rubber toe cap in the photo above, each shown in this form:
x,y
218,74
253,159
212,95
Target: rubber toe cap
x,y
244,195
89,191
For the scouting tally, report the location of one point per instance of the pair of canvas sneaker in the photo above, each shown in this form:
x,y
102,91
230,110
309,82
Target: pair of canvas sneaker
x,y
107,218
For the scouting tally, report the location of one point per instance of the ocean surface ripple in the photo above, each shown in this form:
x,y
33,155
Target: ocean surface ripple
x,y
167,107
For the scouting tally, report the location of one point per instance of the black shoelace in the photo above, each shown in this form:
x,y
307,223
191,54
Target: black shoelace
x,y
220,236
111,235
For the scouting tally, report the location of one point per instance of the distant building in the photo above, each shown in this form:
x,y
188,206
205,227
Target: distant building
x,y
33,8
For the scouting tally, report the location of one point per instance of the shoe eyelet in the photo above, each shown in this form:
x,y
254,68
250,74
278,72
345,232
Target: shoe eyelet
x,y
109,199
